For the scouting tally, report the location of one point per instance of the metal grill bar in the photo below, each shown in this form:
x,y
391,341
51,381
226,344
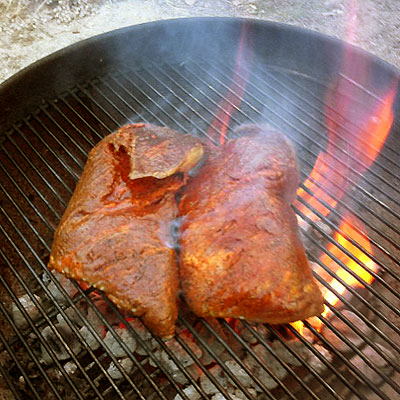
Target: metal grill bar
x,y
79,116
24,217
251,119
354,328
176,109
137,337
15,359
72,125
356,350
95,101
61,129
285,365
349,255
355,259
105,347
49,323
173,357
288,99
255,88
66,346
355,244
164,96
217,358
49,148
365,338
346,362
311,369
339,201
353,309
384,267
349,288
34,329
206,94
118,110
37,153
23,194
6,377
86,109
182,100
376,200
292,83
27,179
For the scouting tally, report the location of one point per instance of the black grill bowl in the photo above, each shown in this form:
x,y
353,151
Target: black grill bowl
x,y
176,73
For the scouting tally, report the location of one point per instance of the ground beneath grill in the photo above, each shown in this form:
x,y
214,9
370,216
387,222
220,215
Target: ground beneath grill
x,y
32,29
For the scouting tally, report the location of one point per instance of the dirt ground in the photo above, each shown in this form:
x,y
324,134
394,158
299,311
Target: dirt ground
x,y
32,29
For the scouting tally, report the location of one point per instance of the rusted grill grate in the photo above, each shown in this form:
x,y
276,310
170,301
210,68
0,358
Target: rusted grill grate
x,y
42,158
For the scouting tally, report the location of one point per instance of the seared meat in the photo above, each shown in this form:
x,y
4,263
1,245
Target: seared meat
x,y
116,233
241,255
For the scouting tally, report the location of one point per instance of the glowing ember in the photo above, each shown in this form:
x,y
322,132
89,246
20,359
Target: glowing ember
x,y
235,93
123,326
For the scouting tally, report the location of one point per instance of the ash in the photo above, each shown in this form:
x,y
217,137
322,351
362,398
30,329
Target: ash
x,y
214,359
243,361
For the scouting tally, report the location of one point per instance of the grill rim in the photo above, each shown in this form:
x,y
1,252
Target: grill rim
x,y
39,81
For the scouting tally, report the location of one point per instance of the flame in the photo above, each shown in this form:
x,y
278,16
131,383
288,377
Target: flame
x,y
360,263
361,268
299,326
358,125
329,178
235,93
317,183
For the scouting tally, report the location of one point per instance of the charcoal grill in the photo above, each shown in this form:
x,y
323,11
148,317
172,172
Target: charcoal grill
x,y
176,73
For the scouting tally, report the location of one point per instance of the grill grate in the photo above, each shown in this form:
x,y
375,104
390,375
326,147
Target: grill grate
x,y
41,160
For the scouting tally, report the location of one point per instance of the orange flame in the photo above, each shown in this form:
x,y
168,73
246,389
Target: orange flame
x,y
357,124
328,180
327,186
235,93
359,263
361,268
